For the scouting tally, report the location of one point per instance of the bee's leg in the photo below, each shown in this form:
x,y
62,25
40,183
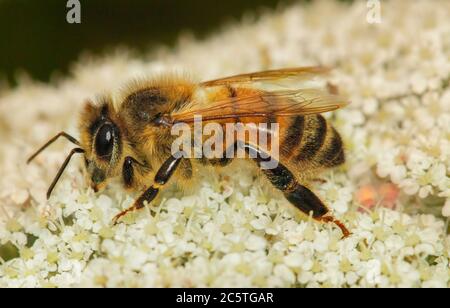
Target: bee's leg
x,y
161,178
297,194
128,170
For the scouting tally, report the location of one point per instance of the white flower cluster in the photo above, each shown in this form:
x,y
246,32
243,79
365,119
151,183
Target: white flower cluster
x,y
234,231
216,239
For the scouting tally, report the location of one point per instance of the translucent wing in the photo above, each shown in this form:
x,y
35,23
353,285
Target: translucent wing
x,y
270,75
259,103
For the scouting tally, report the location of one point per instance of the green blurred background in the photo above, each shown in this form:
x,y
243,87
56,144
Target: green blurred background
x,y
36,38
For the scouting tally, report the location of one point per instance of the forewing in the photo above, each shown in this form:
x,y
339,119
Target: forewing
x,y
268,76
264,104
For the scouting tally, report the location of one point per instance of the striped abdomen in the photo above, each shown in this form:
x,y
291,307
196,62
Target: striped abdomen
x,y
310,140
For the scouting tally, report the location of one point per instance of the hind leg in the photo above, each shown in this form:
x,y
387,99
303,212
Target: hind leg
x,y
298,195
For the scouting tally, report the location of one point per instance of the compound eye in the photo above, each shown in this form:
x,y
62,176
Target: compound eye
x,y
104,141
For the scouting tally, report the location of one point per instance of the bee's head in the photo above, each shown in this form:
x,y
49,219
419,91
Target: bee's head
x,y
101,140
100,143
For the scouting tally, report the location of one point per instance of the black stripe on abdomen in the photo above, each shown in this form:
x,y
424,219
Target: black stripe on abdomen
x,y
332,151
314,135
293,135
337,160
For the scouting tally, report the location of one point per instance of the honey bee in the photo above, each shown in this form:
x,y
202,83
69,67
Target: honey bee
x,y
130,136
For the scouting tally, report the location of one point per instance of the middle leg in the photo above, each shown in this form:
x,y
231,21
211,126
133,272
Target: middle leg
x,y
163,175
